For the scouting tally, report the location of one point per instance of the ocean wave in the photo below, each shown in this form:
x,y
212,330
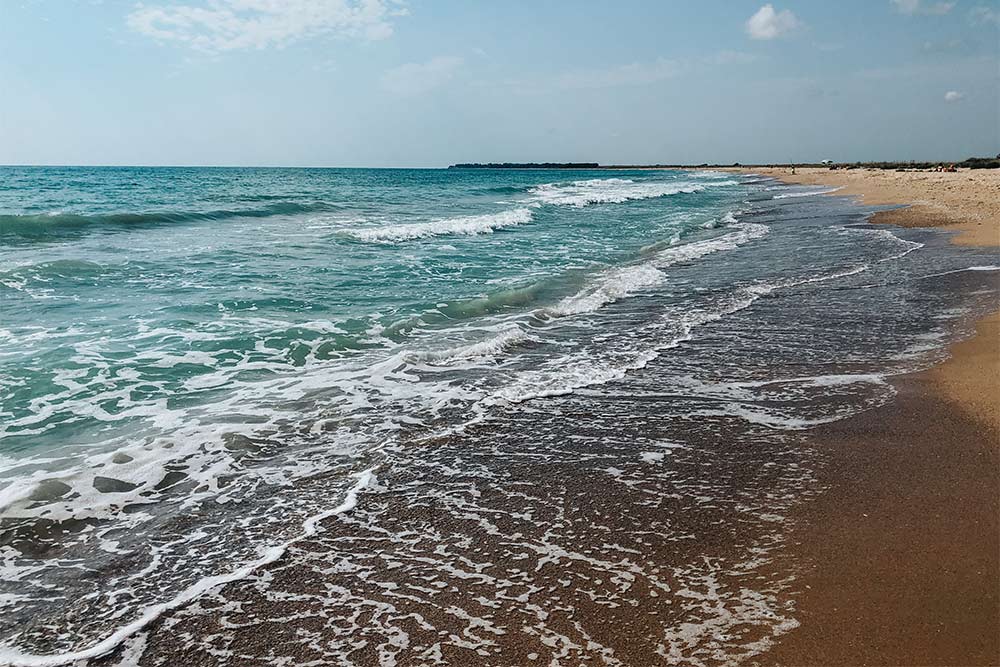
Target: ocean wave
x,y
59,268
586,370
505,189
56,223
469,225
615,285
615,190
619,283
490,347
743,234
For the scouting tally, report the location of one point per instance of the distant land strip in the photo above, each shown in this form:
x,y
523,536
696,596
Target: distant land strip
x,y
968,163
526,165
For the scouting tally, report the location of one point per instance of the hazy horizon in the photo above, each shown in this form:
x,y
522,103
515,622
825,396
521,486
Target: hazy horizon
x,y
447,166
383,84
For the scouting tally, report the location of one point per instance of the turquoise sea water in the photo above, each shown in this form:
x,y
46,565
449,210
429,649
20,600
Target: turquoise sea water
x,y
133,298
194,362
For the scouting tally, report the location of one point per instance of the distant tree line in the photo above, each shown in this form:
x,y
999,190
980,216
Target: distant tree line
x,y
981,163
526,165
968,163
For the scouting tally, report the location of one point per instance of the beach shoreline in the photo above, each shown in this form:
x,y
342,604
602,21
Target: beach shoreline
x,y
710,502
966,201
902,549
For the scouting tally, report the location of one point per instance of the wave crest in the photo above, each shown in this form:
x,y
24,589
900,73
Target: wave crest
x,y
615,190
469,225
49,226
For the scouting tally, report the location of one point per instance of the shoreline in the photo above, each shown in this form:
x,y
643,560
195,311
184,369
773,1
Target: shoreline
x,y
967,201
903,549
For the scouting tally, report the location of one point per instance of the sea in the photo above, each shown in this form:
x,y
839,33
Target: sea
x,y
266,416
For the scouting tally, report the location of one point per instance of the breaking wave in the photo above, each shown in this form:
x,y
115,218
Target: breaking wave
x,y
469,225
615,190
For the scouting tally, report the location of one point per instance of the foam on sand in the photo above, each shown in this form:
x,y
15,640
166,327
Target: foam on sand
x,y
15,658
811,193
984,267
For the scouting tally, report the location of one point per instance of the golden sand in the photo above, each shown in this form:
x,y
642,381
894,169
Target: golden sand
x,y
967,200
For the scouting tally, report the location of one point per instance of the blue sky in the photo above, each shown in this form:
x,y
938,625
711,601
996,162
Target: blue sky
x,y
431,82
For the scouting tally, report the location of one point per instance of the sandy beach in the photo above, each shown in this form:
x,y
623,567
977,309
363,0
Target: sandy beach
x,y
902,549
967,201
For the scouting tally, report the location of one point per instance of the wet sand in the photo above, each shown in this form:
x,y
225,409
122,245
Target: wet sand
x,y
902,550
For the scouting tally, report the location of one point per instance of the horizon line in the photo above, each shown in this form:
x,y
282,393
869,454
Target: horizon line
x,y
700,165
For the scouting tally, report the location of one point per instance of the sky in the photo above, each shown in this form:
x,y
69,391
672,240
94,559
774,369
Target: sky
x,y
427,83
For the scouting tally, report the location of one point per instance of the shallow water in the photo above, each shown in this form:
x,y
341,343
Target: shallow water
x,y
526,378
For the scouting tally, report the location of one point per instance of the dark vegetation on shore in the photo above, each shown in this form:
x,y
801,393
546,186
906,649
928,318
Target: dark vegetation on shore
x,y
526,165
968,163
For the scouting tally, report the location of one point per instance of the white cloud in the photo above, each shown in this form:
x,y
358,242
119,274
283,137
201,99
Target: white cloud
x,y
633,74
768,23
981,14
918,7
416,78
953,96
229,25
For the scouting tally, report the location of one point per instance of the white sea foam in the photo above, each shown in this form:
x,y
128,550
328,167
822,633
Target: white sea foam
x,y
887,235
469,225
615,190
570,374
490,347
619,283
126,469
15,658
614,285
583,370
811,193
711,175
743,233
985,267
580,371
